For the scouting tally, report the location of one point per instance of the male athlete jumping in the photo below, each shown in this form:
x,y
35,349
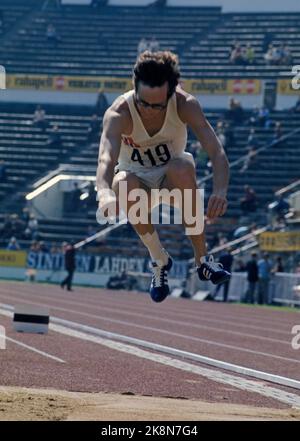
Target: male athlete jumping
x,y
143,144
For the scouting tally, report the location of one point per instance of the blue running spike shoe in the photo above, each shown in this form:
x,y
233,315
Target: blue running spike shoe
x,y
159,288
213,271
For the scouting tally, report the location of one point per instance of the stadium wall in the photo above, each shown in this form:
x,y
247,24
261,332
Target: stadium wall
x,y
70,90
89,99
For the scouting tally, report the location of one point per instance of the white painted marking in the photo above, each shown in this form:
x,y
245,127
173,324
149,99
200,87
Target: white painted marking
x,y
220,377
183,336
31,348
221,330
232,320
213,362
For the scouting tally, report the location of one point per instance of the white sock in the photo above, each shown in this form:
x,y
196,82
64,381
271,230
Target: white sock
x,y
155,248
204,259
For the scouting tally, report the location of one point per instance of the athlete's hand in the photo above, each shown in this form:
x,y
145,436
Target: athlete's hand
x,y
217,205
107,207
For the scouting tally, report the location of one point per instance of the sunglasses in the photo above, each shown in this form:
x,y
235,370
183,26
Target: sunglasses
x,y
150,106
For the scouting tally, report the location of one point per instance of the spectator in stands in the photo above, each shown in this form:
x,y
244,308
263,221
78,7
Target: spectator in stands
x,y
240,266
220,132
272,56
93,129
248,203
153,45
252,140
34,246
17,226
252,277
27,234
263,117
269,55
278,267
253,120
54,249
39,118
237,55
142,46
280,207
264,271
235,113
249,55
25,215
252,145
70,266
54,140
286,57
226,259
233,45
33,226
52,35
3,175
13,245
249,159
101,103
277,131
44,247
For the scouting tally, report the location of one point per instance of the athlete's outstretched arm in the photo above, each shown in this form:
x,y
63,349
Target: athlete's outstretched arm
x,y
109,149
195,118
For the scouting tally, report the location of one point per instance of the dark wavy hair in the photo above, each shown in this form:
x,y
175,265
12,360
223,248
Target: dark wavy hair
x,y
155,68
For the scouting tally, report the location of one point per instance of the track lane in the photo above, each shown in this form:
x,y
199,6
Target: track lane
x,y
210,343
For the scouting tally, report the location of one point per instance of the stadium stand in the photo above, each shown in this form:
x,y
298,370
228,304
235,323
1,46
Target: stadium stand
x,y
101,42
265,175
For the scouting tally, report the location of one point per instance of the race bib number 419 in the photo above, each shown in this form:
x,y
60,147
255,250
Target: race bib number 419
x,y
158,155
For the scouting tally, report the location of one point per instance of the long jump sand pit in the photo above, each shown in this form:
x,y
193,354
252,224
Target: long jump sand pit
x,y
52,405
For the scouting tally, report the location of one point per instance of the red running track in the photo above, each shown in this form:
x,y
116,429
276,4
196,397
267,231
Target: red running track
x,y
257,338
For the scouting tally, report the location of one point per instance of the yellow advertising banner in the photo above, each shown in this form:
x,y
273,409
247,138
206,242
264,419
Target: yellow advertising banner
x,y
285,87
13,258
121,85
280,241
68,84
222,87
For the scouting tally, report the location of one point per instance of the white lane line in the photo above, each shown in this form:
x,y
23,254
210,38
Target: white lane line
x,y
173,351
98,306
188,312
243,310
171,333
176,322
220,377
31,348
